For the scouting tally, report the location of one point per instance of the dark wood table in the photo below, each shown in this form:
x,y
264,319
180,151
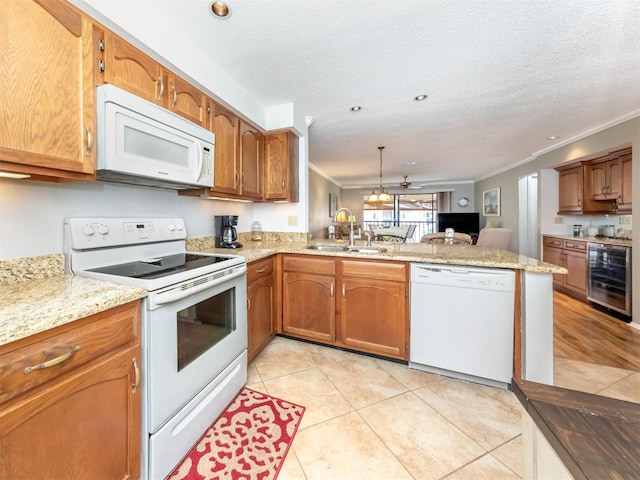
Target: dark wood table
x,y
595,437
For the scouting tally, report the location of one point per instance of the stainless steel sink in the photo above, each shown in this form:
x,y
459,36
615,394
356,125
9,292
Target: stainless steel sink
x,y
328,248
367,249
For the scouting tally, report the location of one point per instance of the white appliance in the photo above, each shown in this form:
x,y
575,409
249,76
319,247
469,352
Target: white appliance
x,y
462,322
142,143
194,325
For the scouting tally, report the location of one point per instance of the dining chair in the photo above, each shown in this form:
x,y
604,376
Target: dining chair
x,y
440,238
494,237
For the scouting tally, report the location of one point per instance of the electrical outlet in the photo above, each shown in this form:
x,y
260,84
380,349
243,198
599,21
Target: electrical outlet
x,y
293,220
625,220
558,220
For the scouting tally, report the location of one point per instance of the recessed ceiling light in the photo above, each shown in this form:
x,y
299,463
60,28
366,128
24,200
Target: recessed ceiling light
x,y
409,163
553,137
356,108
421,97
220,9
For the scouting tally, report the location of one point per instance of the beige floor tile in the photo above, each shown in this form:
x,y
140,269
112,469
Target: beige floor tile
x,y
282,357
485,468
585,377
314,391
258,387
627,388
409,377
291,469
322,355
362,381
511,455
252,374
488,415
346,448
425,442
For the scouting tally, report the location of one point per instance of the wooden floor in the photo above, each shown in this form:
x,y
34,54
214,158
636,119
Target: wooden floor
x,y
583,333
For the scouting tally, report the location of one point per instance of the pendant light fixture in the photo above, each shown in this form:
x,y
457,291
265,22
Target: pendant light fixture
x,y
380,194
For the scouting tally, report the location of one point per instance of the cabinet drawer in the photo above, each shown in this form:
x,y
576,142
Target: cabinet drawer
x,y
552,242
375,270
307,264
575,245
259,269
95,336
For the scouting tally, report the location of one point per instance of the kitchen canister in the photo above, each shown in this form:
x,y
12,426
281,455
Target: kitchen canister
x,y
256,231
577,231
592,231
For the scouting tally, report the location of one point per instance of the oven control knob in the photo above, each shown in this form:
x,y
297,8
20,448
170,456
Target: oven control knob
x,y
88,230
171,227
179,227
103,229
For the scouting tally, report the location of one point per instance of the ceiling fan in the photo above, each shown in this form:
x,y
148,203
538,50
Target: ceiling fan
x,y
408,185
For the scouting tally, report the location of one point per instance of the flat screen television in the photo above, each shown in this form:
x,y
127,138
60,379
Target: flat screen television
x,y
460,222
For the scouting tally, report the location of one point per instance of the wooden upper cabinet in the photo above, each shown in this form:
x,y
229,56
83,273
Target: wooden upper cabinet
x,y
625,200
570,182
281,166
226,167
604,179
250,161
186,100
130,69
47,106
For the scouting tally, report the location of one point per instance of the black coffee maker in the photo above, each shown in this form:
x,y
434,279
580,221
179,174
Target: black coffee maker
x,y
226,235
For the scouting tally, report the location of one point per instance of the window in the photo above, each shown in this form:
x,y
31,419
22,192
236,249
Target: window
x,y
420,209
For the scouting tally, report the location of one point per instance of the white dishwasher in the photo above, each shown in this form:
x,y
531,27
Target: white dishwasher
x,y
462,322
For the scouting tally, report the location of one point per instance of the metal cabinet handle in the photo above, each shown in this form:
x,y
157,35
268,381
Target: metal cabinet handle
x,y
344,291
55,361
332,287
261,270
136,369
175,97
236,179
248,304
161,89
87,129
284,183
243,180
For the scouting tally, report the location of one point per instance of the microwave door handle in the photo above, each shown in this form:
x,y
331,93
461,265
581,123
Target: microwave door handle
x,y
200,160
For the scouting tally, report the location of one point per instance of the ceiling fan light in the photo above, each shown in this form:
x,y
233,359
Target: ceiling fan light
x,y
384,196
373,197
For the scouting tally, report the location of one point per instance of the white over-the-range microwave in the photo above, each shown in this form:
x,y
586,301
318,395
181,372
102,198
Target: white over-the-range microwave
x,y
142,143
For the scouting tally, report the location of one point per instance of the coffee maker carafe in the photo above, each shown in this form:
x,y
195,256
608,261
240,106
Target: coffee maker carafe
x,y
226,235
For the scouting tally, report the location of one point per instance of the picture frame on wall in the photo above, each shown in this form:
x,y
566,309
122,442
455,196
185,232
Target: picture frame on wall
x,y
333,204
491,202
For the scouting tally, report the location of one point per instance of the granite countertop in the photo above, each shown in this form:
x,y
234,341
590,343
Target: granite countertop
x,y
36,295
595,437
471,255
608,241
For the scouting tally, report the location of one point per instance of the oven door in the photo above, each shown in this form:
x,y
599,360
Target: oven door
x,y
194,330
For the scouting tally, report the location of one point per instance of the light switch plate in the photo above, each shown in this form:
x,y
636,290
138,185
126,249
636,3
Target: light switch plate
x,y
293,220
625,220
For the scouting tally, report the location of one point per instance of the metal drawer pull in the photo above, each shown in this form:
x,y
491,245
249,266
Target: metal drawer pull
x,y
263,269
55,361
136,369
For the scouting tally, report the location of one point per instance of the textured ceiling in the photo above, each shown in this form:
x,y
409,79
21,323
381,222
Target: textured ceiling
x,y
501,76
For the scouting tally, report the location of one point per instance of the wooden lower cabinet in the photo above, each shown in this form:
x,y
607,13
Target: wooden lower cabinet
x,y
571,254
85,422
356,304
261,304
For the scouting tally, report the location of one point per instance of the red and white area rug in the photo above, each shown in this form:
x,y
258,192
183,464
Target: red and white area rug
x,y
249,441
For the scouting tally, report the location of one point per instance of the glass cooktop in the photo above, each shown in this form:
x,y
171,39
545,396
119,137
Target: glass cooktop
x,y
161,267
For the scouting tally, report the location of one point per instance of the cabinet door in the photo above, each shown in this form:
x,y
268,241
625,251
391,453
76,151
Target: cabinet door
x,y
309,306
625,201
86,426
251,160
375,326
598,180
128,68
576,279
261,313
554,256
281,166
226,168
47,124
186,100
570,189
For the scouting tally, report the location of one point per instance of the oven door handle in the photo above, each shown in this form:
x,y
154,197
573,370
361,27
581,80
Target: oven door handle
x,y
178,293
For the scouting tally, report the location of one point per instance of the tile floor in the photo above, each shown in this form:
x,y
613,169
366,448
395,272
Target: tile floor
x,y
371,419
